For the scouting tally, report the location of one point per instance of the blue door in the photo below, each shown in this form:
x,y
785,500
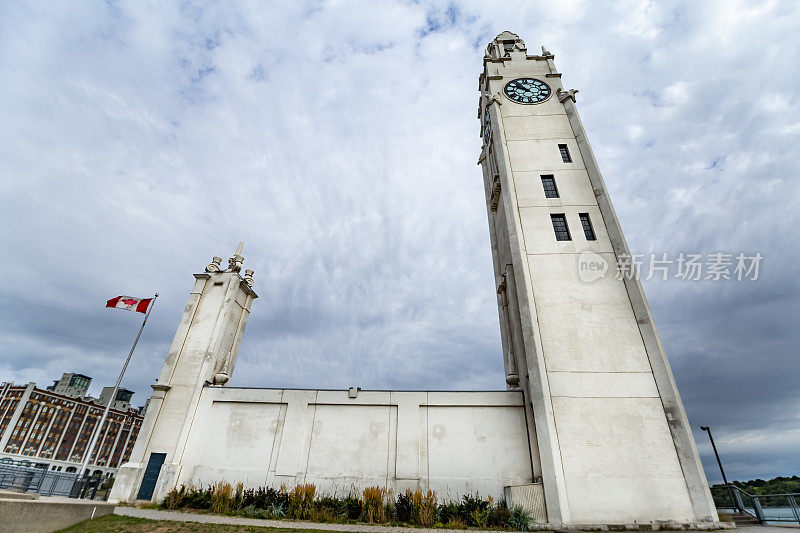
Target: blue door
x,y
151,476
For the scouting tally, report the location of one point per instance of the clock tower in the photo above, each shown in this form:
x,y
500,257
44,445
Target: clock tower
x,y
607,424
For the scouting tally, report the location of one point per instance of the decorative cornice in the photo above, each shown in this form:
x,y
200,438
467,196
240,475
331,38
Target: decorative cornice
x,y
496,60
160,387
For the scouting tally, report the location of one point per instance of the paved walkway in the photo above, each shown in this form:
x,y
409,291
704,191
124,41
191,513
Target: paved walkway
x,y
767,529
154,514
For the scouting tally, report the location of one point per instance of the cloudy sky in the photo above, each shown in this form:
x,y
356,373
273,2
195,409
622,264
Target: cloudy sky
x,y
339,140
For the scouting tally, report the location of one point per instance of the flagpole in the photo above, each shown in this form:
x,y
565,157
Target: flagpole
x,y
99,427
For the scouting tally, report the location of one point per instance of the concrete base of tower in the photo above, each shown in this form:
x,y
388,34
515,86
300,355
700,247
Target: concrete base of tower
x,y
126,483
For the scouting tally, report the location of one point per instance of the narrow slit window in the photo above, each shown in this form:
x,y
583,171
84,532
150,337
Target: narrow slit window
x,y
560,227
549,185
565,157
588,230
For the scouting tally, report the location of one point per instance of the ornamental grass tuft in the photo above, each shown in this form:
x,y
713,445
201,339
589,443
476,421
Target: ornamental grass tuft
x,y
373,504
519,519
221,498
423,507
301,501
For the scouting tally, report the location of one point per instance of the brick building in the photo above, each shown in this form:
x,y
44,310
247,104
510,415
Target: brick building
x,y
45,427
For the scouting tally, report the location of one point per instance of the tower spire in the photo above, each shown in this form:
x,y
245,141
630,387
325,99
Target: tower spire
x,y
235,262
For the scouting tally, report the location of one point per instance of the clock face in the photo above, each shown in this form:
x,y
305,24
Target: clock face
x,y
527,91
487,125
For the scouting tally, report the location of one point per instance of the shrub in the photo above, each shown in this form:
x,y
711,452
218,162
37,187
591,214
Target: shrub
x,y
221,498
499,514
254,498
447,512
265,498
330,504
373,504
198,498
323,514
519,519
480,517
423,507
301,500
389,510
238,496
455,523
352,507
402,507
174,498
472,507
251,511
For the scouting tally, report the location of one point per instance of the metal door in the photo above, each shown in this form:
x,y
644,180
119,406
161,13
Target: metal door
x,y
151,476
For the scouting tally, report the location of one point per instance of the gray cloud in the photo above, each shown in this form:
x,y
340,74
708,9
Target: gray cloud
x,y
339,141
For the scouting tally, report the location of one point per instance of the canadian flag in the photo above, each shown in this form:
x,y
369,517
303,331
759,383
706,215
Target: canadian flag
x,y
130,303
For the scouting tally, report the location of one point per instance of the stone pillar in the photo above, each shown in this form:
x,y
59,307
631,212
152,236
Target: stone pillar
x,y
612,437
203,353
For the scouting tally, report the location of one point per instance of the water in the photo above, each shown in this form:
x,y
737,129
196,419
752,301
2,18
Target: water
x,y
774,515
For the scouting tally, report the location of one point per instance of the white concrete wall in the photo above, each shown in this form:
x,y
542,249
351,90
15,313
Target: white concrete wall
x,y
452,442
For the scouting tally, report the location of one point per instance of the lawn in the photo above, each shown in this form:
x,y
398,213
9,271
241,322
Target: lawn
x,y
126,524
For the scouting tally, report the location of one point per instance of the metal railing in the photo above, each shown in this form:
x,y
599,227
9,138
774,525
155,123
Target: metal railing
x,y
39,480
50,483
765,508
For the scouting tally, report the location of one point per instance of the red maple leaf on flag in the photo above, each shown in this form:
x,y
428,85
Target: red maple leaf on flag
x,y
140,305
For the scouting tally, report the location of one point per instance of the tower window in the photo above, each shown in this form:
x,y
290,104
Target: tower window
x,y
587,227
549,185
560,227
565,157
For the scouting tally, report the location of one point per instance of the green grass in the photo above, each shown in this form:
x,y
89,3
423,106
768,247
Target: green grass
x,y
126,524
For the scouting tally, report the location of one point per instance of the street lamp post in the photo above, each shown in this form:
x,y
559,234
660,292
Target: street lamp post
x,y
722,470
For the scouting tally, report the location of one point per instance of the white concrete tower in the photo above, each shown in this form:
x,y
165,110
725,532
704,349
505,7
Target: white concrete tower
x,y
614,443
203,353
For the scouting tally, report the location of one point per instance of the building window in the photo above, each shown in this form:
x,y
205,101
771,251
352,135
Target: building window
x,y
560,227
587,227
549,185
565,157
